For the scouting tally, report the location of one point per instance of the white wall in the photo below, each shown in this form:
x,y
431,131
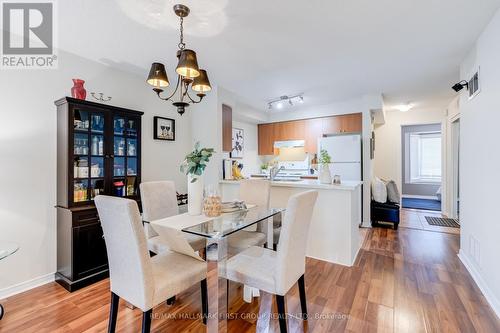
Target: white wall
x,y
28,150
251,160
480,165
388,159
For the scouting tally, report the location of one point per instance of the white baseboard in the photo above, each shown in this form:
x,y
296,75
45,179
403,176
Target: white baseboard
x,y
476,276
27,285
410,196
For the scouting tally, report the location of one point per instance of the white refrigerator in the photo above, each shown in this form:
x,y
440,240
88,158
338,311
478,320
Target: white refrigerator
x,y
345,151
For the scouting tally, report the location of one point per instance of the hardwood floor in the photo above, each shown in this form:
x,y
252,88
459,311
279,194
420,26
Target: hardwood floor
x,y
403,281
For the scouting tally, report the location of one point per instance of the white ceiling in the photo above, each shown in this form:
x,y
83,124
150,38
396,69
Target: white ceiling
x,y
330,50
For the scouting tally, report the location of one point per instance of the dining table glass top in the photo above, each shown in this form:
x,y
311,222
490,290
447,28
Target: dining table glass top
x,y
229,223
7,248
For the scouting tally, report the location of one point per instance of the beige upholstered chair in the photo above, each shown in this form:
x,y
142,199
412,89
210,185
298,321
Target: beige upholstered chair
x,y
254,192
277,271
159,200
141,280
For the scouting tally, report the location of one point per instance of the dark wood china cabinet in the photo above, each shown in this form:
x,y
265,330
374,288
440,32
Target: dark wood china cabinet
x,y
98,152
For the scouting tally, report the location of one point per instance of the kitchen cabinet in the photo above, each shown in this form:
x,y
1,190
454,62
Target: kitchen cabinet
x,y
351,123
266,139
98,152
227,128
309,130
314,130
289,130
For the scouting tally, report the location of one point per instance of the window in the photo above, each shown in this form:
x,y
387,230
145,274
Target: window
x,y
424,157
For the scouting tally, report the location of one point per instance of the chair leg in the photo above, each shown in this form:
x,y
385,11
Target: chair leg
x,y
280,301
303,300
171,300
146,321
227,294
204,301
113,312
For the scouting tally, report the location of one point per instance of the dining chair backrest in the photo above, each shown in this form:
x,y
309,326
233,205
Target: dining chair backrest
x,y
291,251
159,200
130,270
255,192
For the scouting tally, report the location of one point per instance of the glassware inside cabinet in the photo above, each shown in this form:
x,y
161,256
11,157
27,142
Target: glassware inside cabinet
x,y
97,123
97,167
131,147
96,187
119,146
81,167
119,126
80,193
132,128
80,120
97,145
81,144
119,167
131,166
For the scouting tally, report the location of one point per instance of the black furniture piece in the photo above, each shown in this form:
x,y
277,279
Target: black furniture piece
x,y
98,152
385,212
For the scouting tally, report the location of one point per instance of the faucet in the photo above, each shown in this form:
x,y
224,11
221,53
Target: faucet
x,y
274,172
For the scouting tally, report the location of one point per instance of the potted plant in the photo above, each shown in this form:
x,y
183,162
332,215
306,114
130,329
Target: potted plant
x,y
264,167
193,166
324,161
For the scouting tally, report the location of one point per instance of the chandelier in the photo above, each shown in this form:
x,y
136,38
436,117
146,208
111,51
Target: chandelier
x,y
188,73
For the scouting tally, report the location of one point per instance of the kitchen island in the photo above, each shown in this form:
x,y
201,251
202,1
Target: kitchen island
x,y
334,235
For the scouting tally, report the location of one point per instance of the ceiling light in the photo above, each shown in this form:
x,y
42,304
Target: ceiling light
x,y
188,72
404,107
279,102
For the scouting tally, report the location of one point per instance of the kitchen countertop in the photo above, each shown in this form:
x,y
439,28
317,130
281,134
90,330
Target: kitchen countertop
x,y
308,183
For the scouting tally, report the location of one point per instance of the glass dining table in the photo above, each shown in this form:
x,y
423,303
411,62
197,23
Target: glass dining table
x,y
216,231
6,249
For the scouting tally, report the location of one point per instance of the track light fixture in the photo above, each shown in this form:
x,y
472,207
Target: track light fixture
x,y
292,101
460,85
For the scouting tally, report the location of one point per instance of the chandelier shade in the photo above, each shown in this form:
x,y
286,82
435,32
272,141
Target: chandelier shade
x,y
158,76
188,64
201,84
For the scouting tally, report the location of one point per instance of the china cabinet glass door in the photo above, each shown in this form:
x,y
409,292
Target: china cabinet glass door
x,y
125,152
88,154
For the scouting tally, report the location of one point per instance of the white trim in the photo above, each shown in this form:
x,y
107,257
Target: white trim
x,y
483,286
411,196
27,285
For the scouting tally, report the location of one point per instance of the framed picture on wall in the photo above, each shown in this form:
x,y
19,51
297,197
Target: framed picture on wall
x,y
164,129
238,143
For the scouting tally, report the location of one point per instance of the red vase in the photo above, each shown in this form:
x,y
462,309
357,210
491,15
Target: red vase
x,y
78,91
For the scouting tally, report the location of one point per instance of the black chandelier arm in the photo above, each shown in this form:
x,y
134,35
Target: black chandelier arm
x,y
192,100
159,91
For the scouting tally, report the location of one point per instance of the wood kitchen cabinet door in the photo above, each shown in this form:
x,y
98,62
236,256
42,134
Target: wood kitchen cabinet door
x,y
289,130
332,125
313,131
266,139
351,123
227,128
